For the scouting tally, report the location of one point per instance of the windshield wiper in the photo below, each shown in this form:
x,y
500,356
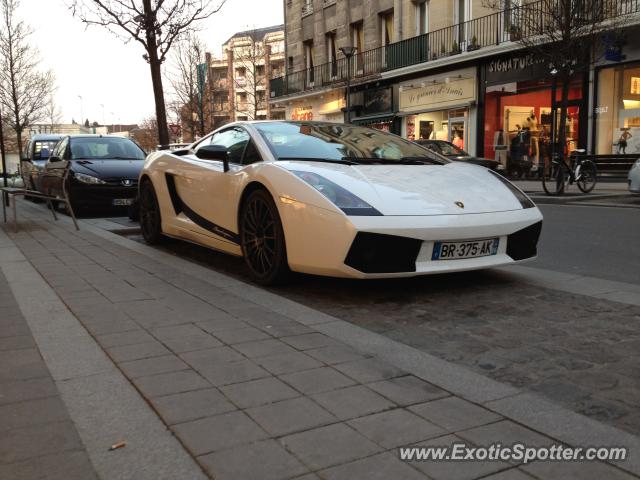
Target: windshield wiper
x,y
343,161
122,158
389,161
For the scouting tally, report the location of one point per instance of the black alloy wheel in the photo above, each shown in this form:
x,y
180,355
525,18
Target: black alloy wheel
x,y
262,239
150,220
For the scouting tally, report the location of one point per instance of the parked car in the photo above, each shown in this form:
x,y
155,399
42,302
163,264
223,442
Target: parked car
x,y
336,200
634,177
452,152
35,156
104,171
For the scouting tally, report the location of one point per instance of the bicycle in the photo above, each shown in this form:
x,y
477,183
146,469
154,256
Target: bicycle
x,y
558,176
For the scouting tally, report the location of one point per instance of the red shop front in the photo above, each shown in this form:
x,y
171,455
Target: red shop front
x,y
520,115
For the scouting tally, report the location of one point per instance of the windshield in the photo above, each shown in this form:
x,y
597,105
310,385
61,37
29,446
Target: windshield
x,y
338,142
450,149
105,148
42,149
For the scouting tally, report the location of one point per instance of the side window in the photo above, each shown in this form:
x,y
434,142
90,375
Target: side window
x,y
235,140
251,154
61,147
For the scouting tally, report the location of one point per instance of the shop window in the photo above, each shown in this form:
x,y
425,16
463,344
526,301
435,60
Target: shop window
x,y
519,123
618,110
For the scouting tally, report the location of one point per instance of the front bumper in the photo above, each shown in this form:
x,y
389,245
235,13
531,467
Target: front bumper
x,y
100,196
326,243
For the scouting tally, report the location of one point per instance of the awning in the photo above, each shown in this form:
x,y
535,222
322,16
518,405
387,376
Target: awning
x,y
370,120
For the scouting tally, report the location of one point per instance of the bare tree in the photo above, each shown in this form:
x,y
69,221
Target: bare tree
x,y
24,89
147,134
564,35
187,93
156,25
249,74
52,112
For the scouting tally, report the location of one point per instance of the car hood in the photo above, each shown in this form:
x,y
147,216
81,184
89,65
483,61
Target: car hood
x,y
419,189
109,169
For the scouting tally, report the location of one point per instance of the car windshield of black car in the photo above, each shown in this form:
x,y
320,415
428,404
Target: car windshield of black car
x,y
105,148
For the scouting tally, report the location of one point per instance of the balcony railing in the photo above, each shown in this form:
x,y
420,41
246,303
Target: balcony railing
x,y
491,30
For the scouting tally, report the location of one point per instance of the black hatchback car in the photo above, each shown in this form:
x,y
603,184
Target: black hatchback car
x,y
103,171
452,152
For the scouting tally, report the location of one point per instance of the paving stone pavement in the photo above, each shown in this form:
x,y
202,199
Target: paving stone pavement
x,y
253,394
37,436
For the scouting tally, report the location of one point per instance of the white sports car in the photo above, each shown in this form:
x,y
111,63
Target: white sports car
x,y
337,200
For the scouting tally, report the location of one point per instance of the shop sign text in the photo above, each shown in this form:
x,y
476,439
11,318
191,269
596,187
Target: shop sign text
x,y
438,95
302,113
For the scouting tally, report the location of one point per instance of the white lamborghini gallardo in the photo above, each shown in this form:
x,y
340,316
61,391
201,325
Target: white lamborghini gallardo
x,y
337,200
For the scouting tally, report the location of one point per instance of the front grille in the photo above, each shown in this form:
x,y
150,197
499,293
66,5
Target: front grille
x,y
379,253
523,243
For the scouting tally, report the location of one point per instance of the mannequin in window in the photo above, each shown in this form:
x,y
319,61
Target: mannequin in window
x,y
622,141
500,147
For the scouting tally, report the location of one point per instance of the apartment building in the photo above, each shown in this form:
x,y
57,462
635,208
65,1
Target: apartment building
x,y
454,70
238,80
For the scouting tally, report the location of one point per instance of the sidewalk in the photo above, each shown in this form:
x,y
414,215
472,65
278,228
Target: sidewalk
x,y
37,436
253,385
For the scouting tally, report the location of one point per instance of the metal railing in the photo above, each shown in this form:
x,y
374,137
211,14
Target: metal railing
x,y
509,25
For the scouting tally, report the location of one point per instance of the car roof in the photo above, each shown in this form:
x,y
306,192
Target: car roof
x,y
96,135
46,136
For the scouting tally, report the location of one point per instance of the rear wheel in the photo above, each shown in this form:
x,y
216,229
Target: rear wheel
x,y
262,239
150,220
588,176
553,178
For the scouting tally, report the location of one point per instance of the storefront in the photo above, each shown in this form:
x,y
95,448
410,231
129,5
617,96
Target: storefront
x,y
617,110
519,114
440,107
374,108
326,107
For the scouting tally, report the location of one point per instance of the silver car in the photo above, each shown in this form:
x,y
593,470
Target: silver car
x,y
634,177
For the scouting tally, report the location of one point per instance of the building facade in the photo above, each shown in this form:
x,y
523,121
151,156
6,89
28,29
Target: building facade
x,y
456,70
238,81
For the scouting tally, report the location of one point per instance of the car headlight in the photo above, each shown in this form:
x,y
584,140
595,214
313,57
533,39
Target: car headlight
x,y
88,179
341,198
519,194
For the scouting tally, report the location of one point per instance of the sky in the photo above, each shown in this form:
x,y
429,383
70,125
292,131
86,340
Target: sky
x,y
111,77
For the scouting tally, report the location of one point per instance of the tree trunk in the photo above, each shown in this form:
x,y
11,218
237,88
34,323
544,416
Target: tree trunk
x,y
158,94
156,75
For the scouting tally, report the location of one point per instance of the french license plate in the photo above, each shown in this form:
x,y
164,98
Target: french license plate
x,y
469,249
119,202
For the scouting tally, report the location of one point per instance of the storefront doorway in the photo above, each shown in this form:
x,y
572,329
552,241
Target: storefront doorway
x,y
458,128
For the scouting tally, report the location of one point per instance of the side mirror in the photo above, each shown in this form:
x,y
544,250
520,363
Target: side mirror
x,y
214,152
53,158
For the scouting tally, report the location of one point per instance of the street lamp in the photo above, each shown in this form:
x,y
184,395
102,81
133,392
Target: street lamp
x,y
348,52
103,120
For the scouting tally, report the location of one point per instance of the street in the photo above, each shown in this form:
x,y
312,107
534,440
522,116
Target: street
x,y
554,343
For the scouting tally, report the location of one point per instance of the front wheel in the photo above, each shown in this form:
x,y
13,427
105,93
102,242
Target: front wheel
x,y
553,179
587,178
262,239
150,220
